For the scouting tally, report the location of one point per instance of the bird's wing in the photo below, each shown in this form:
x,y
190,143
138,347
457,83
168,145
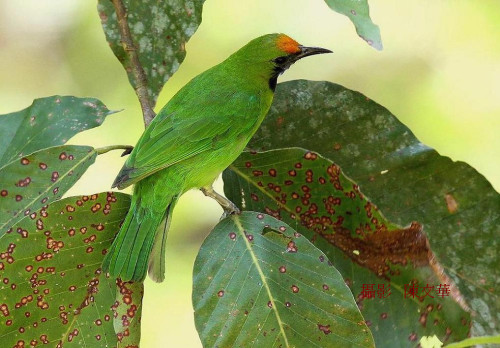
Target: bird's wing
x,y
174,136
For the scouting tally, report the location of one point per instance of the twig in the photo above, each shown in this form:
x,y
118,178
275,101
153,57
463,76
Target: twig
x,y
141,82
127,148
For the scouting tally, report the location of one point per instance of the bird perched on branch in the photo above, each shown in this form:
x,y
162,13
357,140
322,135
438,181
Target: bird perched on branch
x,y
198,134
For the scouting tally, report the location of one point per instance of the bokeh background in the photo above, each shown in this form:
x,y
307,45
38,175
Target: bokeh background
x,y
439,73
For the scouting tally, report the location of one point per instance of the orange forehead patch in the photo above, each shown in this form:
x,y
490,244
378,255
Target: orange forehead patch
x,y
287,44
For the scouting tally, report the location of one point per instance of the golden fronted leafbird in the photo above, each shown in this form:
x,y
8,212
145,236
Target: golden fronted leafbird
x,y
198,134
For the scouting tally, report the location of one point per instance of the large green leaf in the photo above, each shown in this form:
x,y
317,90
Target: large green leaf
x,y
47,122
159,29
407,180
314,195
53,291
35,180
359,14
257,282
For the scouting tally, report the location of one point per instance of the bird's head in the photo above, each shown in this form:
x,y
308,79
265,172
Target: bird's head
x,y
270,55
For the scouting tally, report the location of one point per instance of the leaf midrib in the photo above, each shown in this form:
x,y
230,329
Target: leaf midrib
x,y
262,276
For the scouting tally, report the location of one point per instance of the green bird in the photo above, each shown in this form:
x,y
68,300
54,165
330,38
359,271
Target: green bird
x,y
198,134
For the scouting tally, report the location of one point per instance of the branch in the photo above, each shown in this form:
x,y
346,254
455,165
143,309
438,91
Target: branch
x,y
141,82
128,149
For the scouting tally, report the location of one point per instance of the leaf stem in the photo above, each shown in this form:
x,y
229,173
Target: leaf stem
x,y
140,79
127,148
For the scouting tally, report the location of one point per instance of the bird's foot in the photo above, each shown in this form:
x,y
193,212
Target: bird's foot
x,y
229,207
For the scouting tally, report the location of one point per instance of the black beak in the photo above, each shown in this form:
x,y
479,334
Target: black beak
x,y
310,51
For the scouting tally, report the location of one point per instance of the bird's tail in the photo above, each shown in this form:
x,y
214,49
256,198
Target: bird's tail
x,y
141,241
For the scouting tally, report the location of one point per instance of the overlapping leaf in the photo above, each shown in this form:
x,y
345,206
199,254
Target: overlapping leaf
x,y
359,14
47,122
159,29
259,283
408,181
127,313
28,183
53,290
311,193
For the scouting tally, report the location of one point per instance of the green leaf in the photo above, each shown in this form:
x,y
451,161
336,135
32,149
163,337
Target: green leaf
x,y
53,290
127,313
469,342
312,194
257,282
159,29
406,179
359,14
47,122
35,180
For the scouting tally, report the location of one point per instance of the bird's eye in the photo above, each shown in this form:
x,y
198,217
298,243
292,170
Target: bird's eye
x,y
280,60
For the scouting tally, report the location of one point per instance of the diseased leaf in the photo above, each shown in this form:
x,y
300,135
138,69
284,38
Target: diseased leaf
x,y
47,122
159,29
127,313
311,193
28,183
406,179
359,14
259,283
53,291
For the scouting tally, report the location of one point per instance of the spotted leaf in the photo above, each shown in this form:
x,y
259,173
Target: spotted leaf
x,y
127,313
257,282
47,122
312,194
159,30
30,182
409,182
53,291
359,14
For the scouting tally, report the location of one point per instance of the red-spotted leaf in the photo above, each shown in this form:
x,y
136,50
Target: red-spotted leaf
x,y
30,182
359,14
127,313
259,283
47,122
409,182
53,291
311,193
159,30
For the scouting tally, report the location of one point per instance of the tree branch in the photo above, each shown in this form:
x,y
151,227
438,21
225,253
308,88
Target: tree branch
x,y
141,82
128,149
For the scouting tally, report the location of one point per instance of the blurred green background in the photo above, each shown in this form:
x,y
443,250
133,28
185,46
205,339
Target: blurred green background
x,y
439,73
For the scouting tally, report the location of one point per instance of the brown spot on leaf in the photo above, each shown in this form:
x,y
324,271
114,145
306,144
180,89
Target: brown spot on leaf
x,y
451,203
325,329
310,156
412,337
291,247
